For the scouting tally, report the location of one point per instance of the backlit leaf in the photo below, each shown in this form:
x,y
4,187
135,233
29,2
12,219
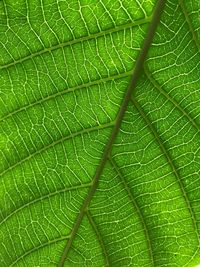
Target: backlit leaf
x,y
96,170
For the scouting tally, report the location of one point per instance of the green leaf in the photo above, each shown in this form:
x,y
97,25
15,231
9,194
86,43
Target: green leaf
x,y
100,143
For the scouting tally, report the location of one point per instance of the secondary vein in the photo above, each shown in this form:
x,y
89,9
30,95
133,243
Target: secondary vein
x,y
101,242
135,76
168,96
172,164
194,36
135,208
72,42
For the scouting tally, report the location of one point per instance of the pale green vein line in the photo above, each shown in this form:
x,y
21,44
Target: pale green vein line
x,y
167,95
51,194
169,159
136,74
81,39
135,207
101,242
37,248
84,131
181,3
68,90
77,252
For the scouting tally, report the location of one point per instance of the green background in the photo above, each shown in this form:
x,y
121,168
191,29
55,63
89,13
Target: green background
x,y
64,69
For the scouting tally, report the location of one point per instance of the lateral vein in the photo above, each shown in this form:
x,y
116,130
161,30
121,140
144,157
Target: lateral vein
x,y
135,207
101,242
172,165
75,41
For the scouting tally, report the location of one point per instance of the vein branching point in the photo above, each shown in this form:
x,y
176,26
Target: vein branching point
x,y
136,74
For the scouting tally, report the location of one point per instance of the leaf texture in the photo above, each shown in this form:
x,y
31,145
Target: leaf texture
x,y
65,67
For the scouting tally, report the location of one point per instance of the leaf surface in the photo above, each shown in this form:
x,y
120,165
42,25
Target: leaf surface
x,y
65,67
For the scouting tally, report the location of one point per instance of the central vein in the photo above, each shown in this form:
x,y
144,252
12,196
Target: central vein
x,y
135,76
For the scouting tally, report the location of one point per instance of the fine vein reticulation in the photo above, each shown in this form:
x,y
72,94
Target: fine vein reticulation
x,y
99,134
136,73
